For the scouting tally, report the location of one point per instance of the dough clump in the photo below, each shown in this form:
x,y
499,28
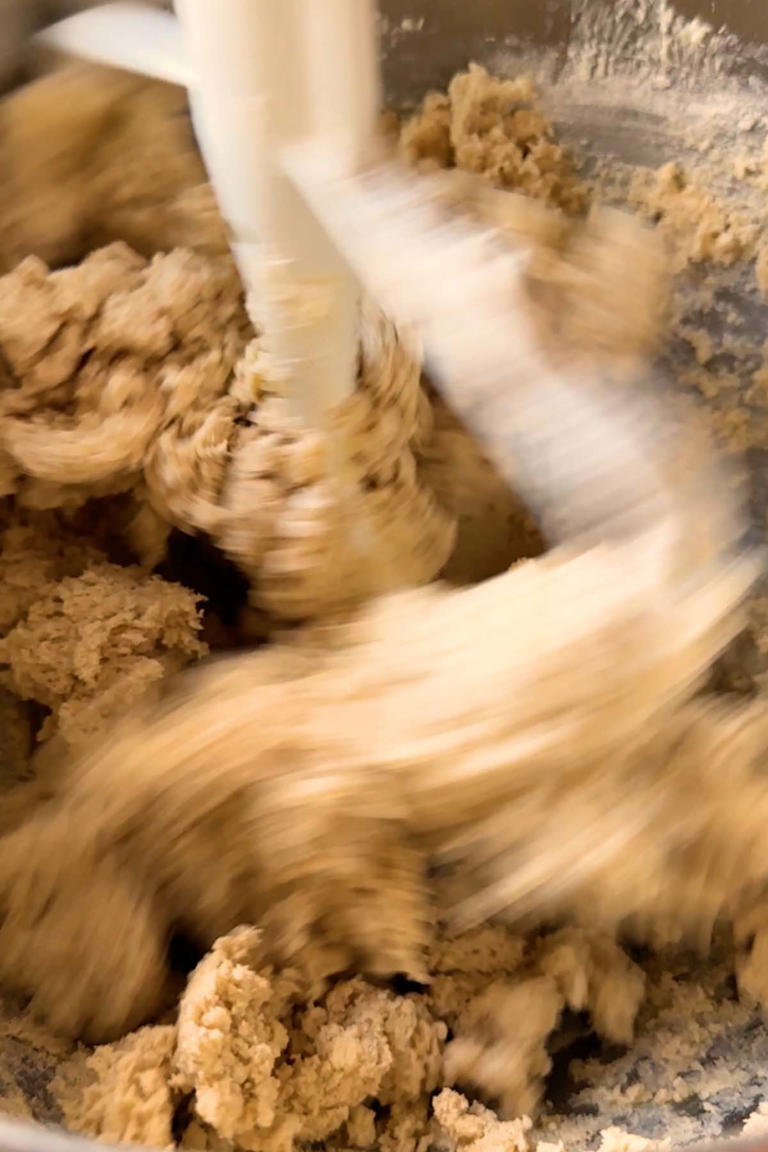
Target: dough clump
x,y
255,1061
695,225
494,128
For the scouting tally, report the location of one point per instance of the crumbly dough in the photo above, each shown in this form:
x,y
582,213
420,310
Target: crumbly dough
x,y
310,791
122,1092
505,164
193,435
81,636
35,554
500,1026
165,335
96,642
494,128
474,1128
375,516
198,437
255,1062
175,446
206,840
695,225
267,1068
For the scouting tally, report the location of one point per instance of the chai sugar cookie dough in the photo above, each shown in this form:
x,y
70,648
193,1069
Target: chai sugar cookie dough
x,y
190,435
256,1062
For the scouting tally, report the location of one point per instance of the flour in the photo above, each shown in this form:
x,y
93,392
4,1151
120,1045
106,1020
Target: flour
x,y
649,39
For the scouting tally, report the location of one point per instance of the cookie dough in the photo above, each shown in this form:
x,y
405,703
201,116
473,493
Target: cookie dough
x,y
297,836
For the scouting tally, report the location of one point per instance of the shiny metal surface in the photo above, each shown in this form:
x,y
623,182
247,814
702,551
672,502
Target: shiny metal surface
x,y
426,41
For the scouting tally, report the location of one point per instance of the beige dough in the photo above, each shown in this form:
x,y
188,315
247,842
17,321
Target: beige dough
x,y
259,1065
196,806
189,434
96,642
122,1093
493,128
696,227
305,791
89,157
